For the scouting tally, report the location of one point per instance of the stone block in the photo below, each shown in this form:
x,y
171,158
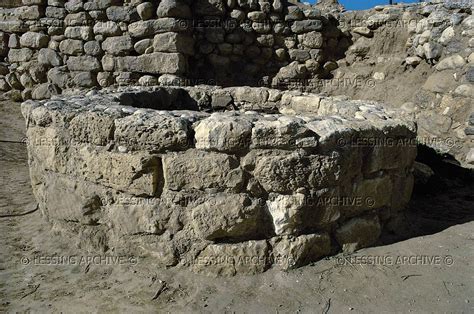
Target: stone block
x,y
119,46
223,133
200,170
228,216
143,29
153,63
156,133
291,252
173,42
84,63
20,55
34,40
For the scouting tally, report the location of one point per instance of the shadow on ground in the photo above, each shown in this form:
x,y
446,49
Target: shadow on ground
x,y
443,200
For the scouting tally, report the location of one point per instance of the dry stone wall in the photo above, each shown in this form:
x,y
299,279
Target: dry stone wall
x,y
58,45
263,42
52,46
152,171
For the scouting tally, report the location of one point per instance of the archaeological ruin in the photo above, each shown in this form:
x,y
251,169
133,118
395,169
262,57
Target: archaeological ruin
x,y
214,135
192,187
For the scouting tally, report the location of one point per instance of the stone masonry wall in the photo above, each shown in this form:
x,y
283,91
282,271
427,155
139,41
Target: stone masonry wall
x,y
251,42
52,46
151,171
58,45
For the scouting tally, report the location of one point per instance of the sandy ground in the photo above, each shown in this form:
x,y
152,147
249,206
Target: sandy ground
x,y
431,271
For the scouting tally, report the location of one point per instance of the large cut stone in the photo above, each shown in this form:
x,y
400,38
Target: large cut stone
x,y
306,26
45,91
200,170
286,172
33,12
13,26
84,63
145,10
291,252
254,95
153,63
112,169
77,19
285,132
173,42
117,170
385,157
132,215
157,133
372,193
223,133
79,32
450,63
228,216
311,40
63,198
121,13
92,127
108,28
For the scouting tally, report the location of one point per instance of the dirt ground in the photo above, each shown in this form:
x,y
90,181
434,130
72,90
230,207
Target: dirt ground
x,y
431,270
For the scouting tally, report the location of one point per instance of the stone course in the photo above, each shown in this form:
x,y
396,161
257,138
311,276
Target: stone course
x,y
170,172
217,42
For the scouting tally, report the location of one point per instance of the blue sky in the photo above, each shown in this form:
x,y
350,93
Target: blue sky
x,y
363,4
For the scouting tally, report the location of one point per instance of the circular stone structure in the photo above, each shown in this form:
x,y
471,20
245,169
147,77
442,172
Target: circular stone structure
x,y
223,181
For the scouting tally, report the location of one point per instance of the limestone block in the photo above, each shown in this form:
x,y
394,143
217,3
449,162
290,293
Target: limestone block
x,y
84,63
154,63
155,132
119,46
228,216
223,133
173,42
200,170
290,252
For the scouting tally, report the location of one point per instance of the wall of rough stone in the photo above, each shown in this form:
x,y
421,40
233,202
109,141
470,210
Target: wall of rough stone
x,y
223,193
49,46
57,45
251,42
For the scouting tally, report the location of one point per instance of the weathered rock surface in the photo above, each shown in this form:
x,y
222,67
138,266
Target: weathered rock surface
x,y
225,193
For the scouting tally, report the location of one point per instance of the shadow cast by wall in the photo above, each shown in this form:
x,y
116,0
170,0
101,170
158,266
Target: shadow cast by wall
x,y
443,200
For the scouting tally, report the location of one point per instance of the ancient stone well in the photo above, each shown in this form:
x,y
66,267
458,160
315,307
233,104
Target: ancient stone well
x,y
224,181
